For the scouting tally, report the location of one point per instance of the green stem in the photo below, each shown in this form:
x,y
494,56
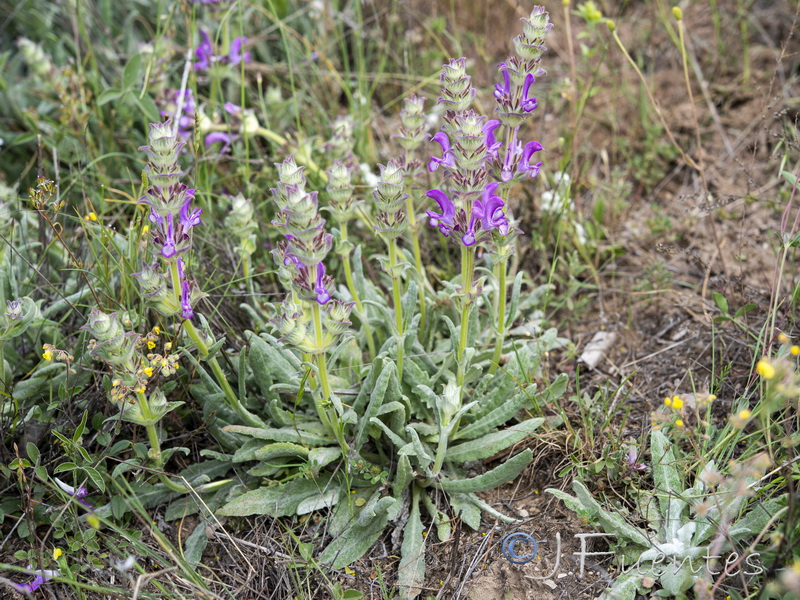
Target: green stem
x,y
502,264
362,314
398,307
324,404
155,445
230,395
412,222
467,268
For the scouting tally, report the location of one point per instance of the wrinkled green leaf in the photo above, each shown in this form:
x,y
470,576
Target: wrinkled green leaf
x,y
497,476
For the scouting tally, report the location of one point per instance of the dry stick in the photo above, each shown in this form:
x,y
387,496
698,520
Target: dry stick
x,y
701,169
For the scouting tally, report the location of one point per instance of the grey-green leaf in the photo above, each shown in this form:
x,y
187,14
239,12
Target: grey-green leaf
x,y
497,476
492,443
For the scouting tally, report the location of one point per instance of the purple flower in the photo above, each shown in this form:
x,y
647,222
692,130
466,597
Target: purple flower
x,y
323,296
204,53
447,155
236,55
445,221
186,300
79,494
189,219
220,136
492,145
525,165
42,577
528,102
504,89
633,454
490,210
168,243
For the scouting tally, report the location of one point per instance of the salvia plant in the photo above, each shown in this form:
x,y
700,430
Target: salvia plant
x,y
688,530
398,438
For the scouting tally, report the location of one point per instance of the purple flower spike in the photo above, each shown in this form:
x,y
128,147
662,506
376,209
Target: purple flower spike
x,y
447,156
204,53
525,165
79,494
186,301
323,295
445,221
220,136
236,55
42,577
528,103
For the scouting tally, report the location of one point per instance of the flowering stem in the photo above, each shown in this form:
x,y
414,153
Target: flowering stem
x,y
467,268
202,348
362,314
398,307
501,269
176,281
155,445
324,405
412,222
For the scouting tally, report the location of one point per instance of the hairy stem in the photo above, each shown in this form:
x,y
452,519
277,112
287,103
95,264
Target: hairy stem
x,y
412,222
502,267
398,307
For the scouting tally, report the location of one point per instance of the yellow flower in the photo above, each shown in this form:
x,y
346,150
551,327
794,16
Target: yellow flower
x,y
795,350
47,355
157,330
766,370
151,345
668,401
744,414
148,371
139,390
677,403
168,346
57,553
679,422
145,229
783,338
91,217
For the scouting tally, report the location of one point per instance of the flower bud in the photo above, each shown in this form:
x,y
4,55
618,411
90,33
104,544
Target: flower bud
x,y
34,57
17,318
103,327
290,173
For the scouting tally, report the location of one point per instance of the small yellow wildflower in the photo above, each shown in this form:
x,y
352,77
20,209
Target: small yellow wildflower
x,y
91,217
677,403
168,346
679,422
783,338
116,382
668,401
795,350
766,370
151,345
157,330
57,553
744,414
139,390
47,355
148,371
164,363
